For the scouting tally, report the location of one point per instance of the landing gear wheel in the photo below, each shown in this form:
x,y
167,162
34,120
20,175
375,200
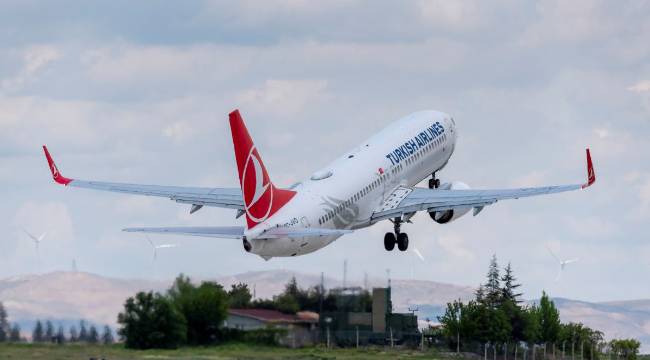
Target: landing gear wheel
x,y
402,241
433,182
389,241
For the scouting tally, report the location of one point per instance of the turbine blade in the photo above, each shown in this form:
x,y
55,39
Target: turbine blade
x,y
553,254
571,261
166,246
43,235
30,235
417,252
150,242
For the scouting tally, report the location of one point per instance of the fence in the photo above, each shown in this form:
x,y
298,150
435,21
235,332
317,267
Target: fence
x,y
484,350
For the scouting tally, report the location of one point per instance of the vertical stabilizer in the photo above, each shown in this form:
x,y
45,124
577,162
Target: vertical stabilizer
x,y
261,198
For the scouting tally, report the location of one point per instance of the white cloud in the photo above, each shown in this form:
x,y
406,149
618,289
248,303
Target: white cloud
x,y
601,133
179,131
640,87
569,21
284,97
455,246
35,58
457,15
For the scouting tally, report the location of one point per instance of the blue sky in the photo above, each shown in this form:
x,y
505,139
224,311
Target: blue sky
x,y
140,92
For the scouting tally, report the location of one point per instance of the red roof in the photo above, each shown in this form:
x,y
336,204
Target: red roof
x,y
267,315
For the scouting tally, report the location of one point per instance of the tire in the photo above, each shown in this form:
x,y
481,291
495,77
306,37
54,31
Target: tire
x,y
389,241
402,242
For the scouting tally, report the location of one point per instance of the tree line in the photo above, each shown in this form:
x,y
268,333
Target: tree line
x,y
46,332
8,332
193,314
497,315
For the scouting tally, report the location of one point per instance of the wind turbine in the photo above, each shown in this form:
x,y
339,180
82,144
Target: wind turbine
x,y
37,240
37,243
157,247
562,263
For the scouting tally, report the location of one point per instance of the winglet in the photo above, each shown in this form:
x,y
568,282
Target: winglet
x,y
56,175
591,174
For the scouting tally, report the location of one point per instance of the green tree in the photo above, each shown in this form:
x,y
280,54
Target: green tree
x,y
510,286
549,318
451,323
239,296
14,334
38,333
4,324
532,324
107,336
83,332
479,294
204,308
577,333
60,335
493,285
49,331
74,335
151,321
516,317
625,348
286,303
93,335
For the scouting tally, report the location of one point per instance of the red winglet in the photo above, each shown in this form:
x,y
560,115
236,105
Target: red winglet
x,y
56,175
591,174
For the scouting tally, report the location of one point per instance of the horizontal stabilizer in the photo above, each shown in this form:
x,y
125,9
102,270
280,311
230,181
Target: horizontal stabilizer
x,y
225,232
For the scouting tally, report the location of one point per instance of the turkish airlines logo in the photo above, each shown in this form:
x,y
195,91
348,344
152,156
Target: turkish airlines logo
x,y
55,171
256,188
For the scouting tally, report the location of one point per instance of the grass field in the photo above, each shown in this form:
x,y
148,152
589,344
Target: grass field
x,y
230,351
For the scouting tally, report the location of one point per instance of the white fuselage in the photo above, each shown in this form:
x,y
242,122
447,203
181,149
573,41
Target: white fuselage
x,y
344,194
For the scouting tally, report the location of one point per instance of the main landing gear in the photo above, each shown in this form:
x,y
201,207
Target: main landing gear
x,y
399,238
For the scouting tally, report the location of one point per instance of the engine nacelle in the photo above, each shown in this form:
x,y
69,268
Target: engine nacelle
x,y
447,216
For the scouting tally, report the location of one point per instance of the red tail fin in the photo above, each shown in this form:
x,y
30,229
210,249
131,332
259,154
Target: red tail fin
x,y
261,198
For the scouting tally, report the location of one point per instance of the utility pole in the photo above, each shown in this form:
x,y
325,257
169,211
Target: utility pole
x,y
322,289
357,337
458,329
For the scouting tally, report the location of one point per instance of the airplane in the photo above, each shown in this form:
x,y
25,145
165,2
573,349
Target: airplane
x,y
373,182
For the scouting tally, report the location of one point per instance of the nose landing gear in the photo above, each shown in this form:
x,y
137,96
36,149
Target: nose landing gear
x,y
434,182
399,238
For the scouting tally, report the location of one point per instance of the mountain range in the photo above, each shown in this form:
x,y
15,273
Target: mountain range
x,y
67,297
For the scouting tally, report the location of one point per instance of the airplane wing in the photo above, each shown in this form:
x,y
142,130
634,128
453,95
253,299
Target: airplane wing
x,y
410,200
237,232
200,196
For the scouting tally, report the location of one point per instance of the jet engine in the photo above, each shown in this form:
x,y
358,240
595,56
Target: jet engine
x,y
447,216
